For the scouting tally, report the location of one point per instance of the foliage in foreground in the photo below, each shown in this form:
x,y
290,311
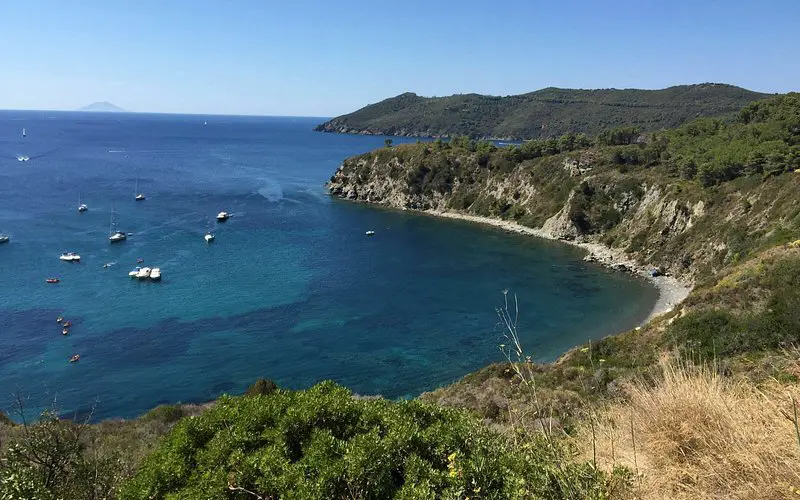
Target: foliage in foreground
x,y
324,443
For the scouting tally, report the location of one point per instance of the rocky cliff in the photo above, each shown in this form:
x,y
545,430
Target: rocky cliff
x,y
639,212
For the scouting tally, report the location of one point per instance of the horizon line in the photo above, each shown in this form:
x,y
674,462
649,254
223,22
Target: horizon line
x,y
126,112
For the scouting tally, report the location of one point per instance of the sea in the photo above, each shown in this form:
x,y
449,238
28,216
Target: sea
x,y
291,289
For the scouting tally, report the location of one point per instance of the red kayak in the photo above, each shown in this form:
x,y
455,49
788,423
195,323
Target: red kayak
x,y
52,280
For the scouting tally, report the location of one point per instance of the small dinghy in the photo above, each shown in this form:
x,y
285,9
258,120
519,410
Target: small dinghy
x,y
75,358
52,280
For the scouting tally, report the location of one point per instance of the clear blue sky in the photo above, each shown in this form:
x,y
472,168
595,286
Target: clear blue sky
x,y
323,58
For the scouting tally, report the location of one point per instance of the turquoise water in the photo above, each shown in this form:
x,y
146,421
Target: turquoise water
x,y
291,289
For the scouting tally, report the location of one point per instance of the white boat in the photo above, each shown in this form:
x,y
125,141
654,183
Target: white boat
x,y
81,206
143,273
138,195
209,237
23,132
205,123
70,257
223,216
115,236
370,233
135,272
4,238
155,274
23,158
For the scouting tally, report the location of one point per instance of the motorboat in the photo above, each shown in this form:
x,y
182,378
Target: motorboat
x,y
135,272
4,238
223,216
75,358
70,257
67,324
59,319
65,331
143,273
52,280
209,237
370,233
155,274
23,158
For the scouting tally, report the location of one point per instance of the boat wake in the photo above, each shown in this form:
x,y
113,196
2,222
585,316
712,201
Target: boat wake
x,y
272,191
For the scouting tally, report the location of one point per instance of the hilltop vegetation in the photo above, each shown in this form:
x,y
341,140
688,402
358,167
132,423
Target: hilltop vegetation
x,y
549,112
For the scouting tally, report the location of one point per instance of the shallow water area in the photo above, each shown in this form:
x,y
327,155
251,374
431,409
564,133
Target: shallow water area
x,y
291,289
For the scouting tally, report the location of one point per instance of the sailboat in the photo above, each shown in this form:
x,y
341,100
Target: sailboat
x,y
209,237
81,206
23,132
139,196
114,235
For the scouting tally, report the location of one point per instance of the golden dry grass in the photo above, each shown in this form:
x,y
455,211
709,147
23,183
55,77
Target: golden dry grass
x,y
698,435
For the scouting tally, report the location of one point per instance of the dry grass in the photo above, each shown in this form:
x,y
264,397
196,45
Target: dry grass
x,y
698,435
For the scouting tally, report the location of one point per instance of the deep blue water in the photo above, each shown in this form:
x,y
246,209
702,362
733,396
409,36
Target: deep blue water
x,y
291,290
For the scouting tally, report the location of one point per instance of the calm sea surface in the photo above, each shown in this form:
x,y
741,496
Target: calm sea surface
x,y
291,290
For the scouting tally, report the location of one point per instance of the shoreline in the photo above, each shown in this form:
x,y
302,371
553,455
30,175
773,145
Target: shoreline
x,y
671,290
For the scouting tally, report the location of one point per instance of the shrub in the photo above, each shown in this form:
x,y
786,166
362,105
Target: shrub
x,y
323,443
166,414
261,386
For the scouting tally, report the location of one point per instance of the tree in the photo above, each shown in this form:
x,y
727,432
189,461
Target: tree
x,y
387,143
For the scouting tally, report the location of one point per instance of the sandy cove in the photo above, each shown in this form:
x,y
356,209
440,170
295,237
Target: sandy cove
x,y
671,291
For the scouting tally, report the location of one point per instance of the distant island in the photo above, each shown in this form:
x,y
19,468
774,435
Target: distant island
x,y
549,112
103,107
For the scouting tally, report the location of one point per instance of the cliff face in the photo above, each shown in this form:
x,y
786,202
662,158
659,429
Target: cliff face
x,y
654,220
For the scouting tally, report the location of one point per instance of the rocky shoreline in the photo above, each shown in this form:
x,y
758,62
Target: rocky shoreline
x,y
671,291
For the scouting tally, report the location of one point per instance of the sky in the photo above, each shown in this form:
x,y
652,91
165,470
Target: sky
x,y
325,58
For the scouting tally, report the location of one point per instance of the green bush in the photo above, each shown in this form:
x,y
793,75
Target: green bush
x,y
261,386
718,332
324,443
165,413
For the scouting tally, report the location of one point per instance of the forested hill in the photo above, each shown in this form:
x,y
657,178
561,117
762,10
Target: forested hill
x,y
549,112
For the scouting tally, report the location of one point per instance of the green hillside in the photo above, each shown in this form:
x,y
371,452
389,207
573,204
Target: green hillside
x,y
545,113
